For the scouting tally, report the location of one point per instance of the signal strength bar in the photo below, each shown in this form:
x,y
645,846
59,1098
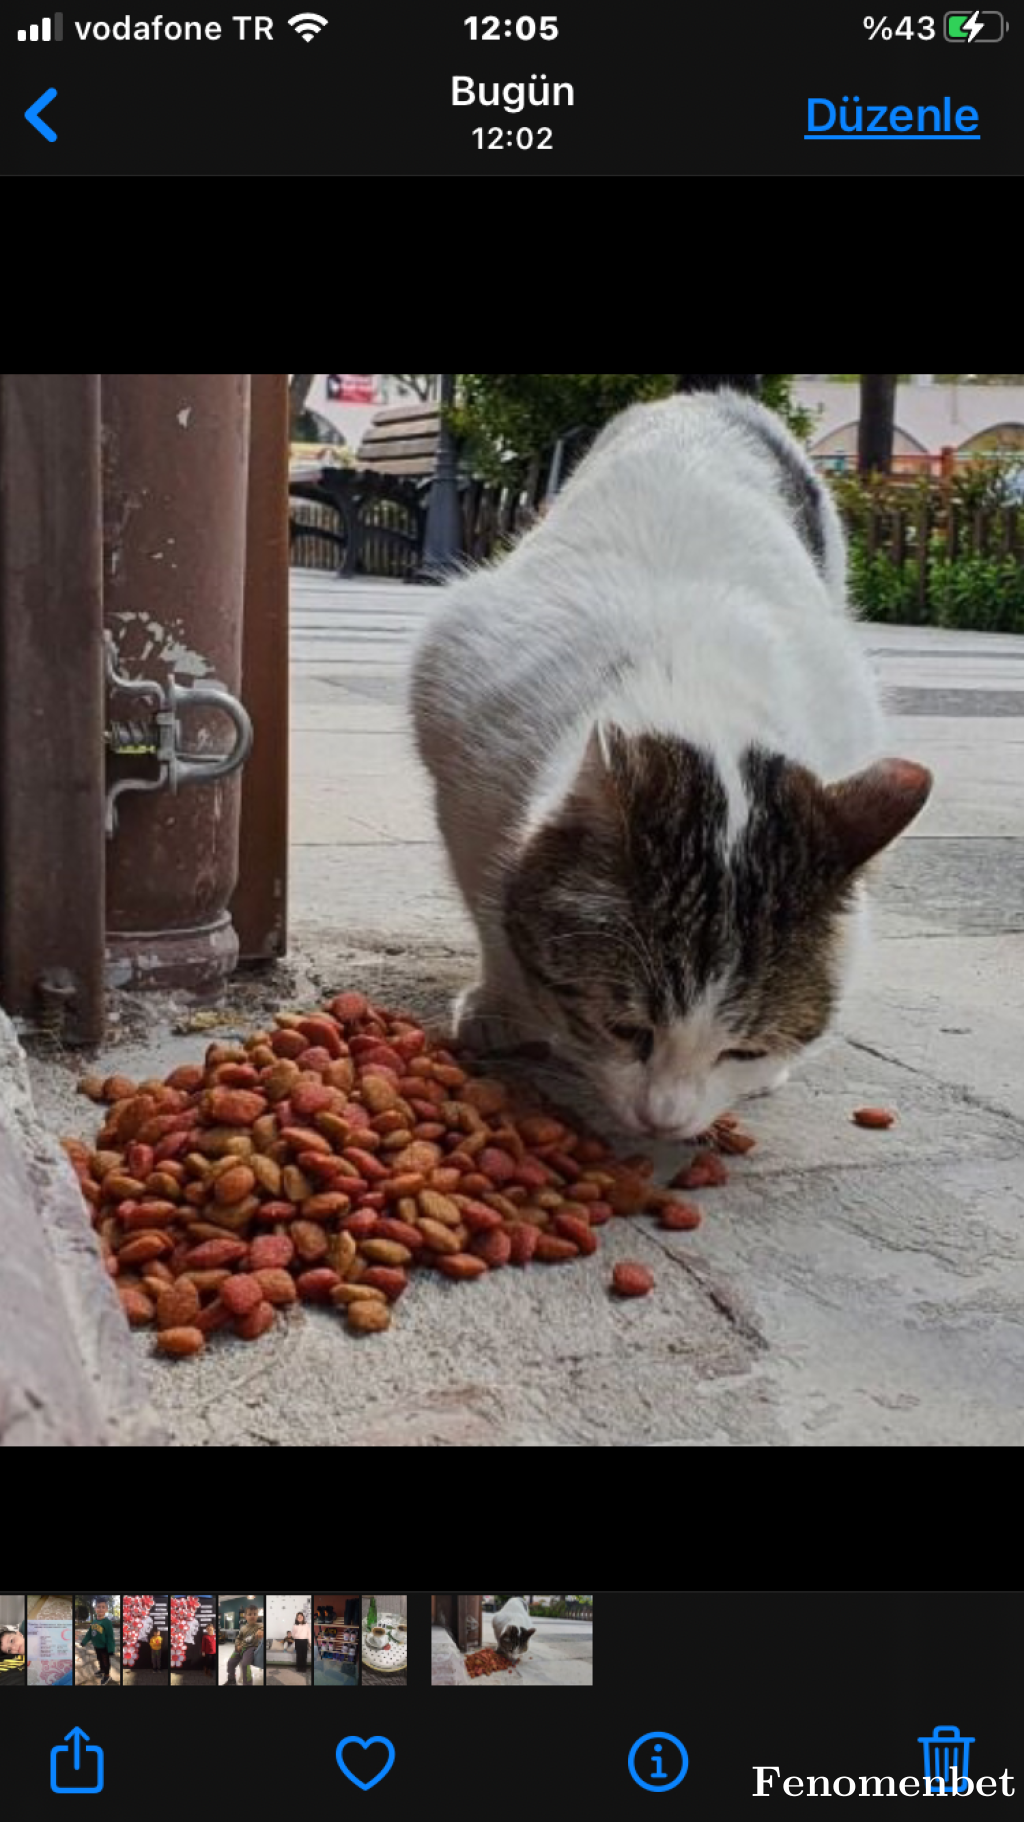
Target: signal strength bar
x,y
43,33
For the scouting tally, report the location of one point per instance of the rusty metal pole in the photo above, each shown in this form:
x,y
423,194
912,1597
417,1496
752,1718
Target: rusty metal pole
x,y
471,1610
51,703
259,908
174,495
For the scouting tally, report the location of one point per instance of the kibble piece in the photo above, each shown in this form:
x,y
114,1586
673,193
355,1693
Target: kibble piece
x,y
136,1305
574,1228
177,1305
310,1241
367,1318
316,1286
385,1252
524,1243
271,1250
461,1265
494,1248
632,1280
390,1279
242,1293
876,1117
679,1217
276,1286
256,1323
704,1171
356,1293
180,1342
551,1249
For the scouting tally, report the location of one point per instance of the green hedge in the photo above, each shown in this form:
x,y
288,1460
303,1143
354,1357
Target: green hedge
x,y
979,590
981,594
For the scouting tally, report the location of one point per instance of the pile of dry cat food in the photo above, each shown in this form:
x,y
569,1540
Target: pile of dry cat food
x,y
485,1663
328,1159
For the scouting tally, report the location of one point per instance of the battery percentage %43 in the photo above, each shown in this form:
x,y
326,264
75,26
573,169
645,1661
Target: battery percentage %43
x,y
904,28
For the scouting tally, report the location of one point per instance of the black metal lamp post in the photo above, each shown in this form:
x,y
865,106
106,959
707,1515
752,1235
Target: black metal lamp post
x,y
442,546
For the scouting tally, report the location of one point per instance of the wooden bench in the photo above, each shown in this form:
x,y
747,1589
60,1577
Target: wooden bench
x,y
402,441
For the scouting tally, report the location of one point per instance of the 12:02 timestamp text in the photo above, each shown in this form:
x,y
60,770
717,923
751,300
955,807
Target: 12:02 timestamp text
x,y
503,139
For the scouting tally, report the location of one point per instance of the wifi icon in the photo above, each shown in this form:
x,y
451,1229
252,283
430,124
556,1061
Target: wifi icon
x,y
307,24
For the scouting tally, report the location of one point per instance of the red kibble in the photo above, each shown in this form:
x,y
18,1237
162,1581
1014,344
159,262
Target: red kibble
x,y
316,1286
386,1228
552,1249
479,1218
276,1211
631,1280
574,1228
348,1008
497,1165
494,1248
362,1225
256,1323
679,1217
704,1171
323,1033
241,1293
308,1098
524,1240
387,1278
458,1265
878,1118
270,1251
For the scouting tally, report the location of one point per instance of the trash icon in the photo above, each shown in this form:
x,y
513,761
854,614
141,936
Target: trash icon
x,y
946,1752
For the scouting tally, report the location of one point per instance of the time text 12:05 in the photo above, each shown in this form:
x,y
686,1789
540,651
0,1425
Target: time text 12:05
x,y
493,27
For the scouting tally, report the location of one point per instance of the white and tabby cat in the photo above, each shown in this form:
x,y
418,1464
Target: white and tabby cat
x,y
512,1634
654,737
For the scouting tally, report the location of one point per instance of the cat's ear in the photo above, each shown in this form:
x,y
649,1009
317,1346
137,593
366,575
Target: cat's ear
x,y
869,810
593,790
527,1633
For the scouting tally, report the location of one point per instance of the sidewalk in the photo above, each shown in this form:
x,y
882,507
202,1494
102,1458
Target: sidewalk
x,y
846,1287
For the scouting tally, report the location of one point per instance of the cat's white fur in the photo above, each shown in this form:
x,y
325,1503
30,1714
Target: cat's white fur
x,y
514,1613
666,591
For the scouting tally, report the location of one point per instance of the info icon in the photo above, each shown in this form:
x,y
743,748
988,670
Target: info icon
x,y
658,1761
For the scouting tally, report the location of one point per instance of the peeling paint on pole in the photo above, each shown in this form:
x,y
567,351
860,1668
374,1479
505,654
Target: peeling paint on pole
x,y
173,862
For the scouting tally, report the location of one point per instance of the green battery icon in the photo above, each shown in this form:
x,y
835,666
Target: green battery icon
x,y
974,28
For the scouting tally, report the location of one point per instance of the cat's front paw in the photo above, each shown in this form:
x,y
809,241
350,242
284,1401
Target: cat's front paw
x,y
483,1024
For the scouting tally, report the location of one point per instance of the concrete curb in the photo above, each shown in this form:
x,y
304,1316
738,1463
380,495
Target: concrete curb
x,y
447,1666
68,1376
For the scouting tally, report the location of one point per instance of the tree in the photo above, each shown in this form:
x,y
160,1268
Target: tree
x,y
506,420
298,393
422,384
877,422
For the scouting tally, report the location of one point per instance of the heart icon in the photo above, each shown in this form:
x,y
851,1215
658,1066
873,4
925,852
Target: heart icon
x,y
352,1739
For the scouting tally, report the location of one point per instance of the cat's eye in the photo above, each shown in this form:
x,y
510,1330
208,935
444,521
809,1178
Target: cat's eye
x,y
639,1036
742,1056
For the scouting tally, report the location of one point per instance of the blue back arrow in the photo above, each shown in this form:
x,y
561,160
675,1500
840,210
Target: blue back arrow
x,y
32,116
